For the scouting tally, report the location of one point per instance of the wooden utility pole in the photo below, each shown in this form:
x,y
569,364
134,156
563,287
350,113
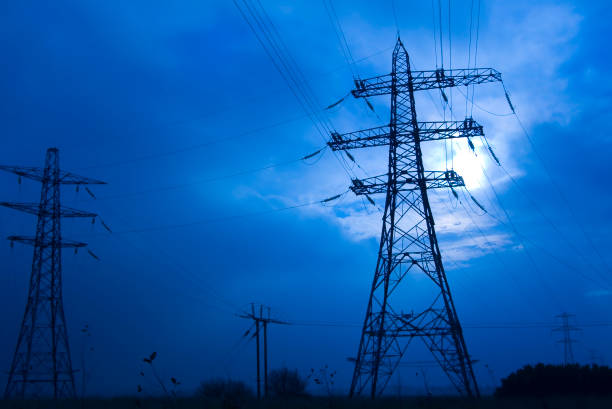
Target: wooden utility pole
x,y
262,322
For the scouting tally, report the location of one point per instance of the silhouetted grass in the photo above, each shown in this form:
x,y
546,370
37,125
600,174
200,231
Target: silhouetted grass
x,y
565,402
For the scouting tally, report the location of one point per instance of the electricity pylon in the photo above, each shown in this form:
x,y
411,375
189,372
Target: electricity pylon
x,y
261,322
408,241
41,365
567,341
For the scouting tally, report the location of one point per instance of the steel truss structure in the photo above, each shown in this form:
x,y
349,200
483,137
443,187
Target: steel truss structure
x,y
42,366
408,242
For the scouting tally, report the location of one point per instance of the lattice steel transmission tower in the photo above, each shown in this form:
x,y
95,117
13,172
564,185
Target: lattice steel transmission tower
x,y
41,365
408,242
566,328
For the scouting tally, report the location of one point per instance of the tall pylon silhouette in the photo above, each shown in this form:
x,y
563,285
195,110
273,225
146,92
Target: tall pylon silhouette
x,y
41,366
408,243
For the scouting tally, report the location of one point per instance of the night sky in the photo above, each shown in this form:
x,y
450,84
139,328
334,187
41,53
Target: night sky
x,y
179,109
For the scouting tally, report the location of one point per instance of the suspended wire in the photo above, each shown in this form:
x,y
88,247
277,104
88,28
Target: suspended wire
x,y
297,71
520,237
186,275
511,224
433,18
209,143
571,268
491,325
283,64
348,49
213,179
440,36
497,255
450,63
557,230
274,46
395,17
226,218
475,55
480,107
195,146
470,48
339,32
564,198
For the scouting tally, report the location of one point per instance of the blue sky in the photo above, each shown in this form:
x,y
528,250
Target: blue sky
x,y
157,98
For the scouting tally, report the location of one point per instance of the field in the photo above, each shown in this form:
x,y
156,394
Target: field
x,y
321,403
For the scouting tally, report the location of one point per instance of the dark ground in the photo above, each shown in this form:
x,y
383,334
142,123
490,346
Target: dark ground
x,y
320,403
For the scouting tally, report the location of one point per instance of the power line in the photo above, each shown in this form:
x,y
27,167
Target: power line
x,y
339,32
489,325
226,218
512,225
553,225
195,146
283,61
475,54
555,185
395,16
211,179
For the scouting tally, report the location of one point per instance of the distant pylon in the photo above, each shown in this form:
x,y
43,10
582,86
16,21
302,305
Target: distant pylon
x,y
41,366
408,243
567,341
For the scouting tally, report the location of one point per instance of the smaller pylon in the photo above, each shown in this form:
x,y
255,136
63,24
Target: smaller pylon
x,y
567,341
261,322
41,365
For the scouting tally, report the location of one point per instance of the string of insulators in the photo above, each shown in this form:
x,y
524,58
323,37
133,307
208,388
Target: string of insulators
x,y
312,154
509,102
349,156
335,103
90,192
471,145
478,204
493,155
91,253
105,226
369,105
454,193
444,97
370,200
329,199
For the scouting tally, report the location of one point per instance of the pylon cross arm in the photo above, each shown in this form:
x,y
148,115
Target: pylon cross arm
x,y
36,209
38,174
407,181
46,243
405,133
424,80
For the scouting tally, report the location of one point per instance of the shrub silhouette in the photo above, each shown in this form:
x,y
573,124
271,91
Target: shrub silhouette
x,y
284,382
232,394
546,380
